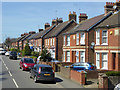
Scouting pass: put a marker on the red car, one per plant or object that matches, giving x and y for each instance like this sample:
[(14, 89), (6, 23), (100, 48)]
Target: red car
[(26, 63)]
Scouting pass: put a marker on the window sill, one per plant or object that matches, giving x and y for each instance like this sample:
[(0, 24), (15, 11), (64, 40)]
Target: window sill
[(82, 44), (104, 44)]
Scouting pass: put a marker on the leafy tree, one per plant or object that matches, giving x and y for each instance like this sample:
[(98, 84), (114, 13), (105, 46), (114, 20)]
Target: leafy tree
[(27, 50), (33, 53), (8, 42), (45, 55)]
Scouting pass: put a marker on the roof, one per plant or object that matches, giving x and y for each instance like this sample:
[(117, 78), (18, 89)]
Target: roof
[(85, 25), (13, 40), (111, 21), (32, 36), (44, 32), (60, 27), (25, 37), (20, 38)]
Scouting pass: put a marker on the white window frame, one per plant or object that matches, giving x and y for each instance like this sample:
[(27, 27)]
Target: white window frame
[(82, 40), (105, 37), (82, 56), (68, 41), (98, 60), (68, 56), (51, 41), (64, 40), (77, 56), (46, 41), (98, 37), (104, 60), (64, 56), (77, 39)]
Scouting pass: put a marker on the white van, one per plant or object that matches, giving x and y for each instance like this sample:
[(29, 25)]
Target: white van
[(2, 51)]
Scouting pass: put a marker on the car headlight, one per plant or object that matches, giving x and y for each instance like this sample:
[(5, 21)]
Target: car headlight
[(25, 65)]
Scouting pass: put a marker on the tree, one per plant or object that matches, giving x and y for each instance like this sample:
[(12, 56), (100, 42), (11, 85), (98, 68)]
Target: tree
[(27, 50), (8, 42), (45, 55)]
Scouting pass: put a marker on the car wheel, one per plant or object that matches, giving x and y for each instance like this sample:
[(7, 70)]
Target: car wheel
[(20, 67), (35, 79), (30, 76)]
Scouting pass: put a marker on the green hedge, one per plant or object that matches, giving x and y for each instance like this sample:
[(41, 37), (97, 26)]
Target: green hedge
[(113, 73)]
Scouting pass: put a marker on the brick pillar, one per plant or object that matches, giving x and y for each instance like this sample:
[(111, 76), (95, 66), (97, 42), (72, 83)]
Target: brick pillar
[(103, 81), (82, 77), (117, 62)]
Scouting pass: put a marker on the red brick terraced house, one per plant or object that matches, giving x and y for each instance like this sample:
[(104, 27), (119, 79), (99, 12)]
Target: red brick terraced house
[(77, 41), (38, 39), (14, 43), (53, 41), (107, 42)]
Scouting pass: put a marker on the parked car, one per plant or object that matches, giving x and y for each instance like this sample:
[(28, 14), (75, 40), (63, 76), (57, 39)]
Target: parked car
[(13, 55), (82, 66), (26, 63), (117, 87), (42, 72), (7, 53), (2, 51)]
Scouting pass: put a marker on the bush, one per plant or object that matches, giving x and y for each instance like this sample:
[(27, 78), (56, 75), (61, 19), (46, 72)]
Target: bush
[(113, 73), (27, 50), (45, 55), (36, 54), (13, 49)]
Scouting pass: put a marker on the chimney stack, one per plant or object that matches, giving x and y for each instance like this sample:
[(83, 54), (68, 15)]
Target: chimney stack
[(40, 30), (53, 21), (109, 7), (117, 5), (82, 17), (26, 33), (22, 35), (57, 21), (72, 16), (32, 32), (47, 25)]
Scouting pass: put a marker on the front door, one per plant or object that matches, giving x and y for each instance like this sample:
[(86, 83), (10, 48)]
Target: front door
[(113, 59)]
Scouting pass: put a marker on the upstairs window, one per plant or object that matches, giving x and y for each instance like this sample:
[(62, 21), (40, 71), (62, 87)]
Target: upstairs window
[(98, 37), (64, 41), (68, 40), (104, 37), (82, 40), (51, 41), (77, 39)]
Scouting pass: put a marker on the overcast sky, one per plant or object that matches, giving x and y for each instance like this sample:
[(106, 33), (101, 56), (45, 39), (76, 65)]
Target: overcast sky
[(20, 17)]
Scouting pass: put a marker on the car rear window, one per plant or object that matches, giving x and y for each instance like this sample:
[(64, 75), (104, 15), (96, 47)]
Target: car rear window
[(28, 60), (46, 69)]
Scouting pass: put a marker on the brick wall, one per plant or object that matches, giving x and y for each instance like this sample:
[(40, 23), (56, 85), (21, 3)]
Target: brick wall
[(78, 76)]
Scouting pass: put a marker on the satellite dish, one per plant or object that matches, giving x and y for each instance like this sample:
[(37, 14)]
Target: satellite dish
[(92, 44)]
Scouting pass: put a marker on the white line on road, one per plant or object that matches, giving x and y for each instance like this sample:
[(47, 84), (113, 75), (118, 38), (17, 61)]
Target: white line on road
[(10, 73), (15, 83)]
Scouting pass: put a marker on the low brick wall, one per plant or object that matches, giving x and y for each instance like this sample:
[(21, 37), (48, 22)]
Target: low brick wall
[(78, 76), (92, 74), (65, 71)]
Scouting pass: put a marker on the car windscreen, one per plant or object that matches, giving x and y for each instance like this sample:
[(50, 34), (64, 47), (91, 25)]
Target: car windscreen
[(46, 69), (13, 53), (28, 60)]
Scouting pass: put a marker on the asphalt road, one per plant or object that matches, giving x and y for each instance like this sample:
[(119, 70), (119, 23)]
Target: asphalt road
[(13, 77)]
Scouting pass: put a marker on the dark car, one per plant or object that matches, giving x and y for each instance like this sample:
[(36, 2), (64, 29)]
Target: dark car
[(82, 66), (26, 63), (42, 72), (13, 55)]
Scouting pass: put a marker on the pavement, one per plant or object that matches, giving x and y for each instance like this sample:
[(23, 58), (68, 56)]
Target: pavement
[(13, 77)]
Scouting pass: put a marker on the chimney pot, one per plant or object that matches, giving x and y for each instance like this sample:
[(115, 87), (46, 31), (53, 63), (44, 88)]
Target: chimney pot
[(47, 25), (72, 16)]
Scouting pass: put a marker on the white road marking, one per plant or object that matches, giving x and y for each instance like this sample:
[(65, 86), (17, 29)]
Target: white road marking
[(10, 74), (15, 83)]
